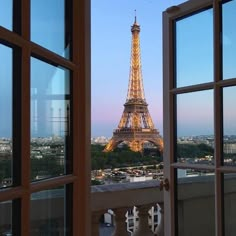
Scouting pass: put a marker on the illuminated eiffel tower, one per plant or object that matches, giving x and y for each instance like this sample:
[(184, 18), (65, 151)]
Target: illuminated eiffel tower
[(136, 126)]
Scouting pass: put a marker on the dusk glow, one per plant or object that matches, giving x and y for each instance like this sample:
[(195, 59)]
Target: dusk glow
[(111, 49)]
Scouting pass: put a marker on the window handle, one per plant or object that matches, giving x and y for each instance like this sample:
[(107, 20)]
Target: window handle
[(164, 184)]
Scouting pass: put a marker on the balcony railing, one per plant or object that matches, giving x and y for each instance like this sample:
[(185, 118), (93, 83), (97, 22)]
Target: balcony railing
[(134, 208), (133, 211)]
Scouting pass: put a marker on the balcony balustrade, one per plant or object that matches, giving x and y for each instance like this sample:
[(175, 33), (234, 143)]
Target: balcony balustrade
[(134, 208), (137, 208)]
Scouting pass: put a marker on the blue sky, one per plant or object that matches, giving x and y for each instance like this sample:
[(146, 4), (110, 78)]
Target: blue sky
[(191, 34), (111, 45), (111, 49)]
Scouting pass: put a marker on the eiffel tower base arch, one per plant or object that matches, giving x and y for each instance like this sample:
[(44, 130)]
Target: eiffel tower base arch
[(135, 139)]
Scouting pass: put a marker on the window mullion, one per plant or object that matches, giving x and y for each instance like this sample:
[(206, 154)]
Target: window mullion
[(218, 118), (25, 139), (25, 117), (81, 106)]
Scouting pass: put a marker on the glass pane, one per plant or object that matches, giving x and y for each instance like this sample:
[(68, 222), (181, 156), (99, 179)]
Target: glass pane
[(195, 127), (6, 116), (47, 213), (229, 39), (6, 221), (48, 25), (229, 122), (50, 112), (6, 14), (194, 49), (196, 202), (229, 204)]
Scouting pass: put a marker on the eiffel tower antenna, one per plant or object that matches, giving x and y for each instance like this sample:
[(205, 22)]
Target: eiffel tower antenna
[(136, 126)]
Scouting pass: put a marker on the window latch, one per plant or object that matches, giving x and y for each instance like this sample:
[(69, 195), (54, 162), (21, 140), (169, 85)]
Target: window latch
[(165, 184)]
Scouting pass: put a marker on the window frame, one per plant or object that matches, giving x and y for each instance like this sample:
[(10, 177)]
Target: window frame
[(78, 190), (169, 93)]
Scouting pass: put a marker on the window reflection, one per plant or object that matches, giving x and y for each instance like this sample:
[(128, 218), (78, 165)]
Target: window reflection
[(194, 49), (47, 214), (196, 202), (6, 116), (6, 14), (195, 127), (50, 124), (229, 39), (6, 221), (49, 25), (229, 125), (229, 203)]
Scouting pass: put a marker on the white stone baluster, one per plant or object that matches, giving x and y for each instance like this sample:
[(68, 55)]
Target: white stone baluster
[(120, 222), (96, 216), (143, 227), (160, 228)]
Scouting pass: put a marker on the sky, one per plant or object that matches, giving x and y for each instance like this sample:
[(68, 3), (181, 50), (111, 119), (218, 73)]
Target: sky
[(111, 50)]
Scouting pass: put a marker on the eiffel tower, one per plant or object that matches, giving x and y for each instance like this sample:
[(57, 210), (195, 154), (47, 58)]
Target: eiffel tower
[(136, 126)]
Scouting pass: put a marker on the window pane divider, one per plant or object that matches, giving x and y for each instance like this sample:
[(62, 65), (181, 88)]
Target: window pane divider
[(11, 193), (51, 183), (227, 82), (81, 51), (205, 86), (12, 39), (218, 120), (193, 88), (24, 31), (186, 10), (46, 55)]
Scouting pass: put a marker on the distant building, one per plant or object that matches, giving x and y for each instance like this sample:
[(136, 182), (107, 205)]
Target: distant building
[(230, 148), (102, 140)]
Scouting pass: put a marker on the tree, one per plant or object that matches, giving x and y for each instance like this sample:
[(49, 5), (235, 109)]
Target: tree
[(120, 157), (193, 150)]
